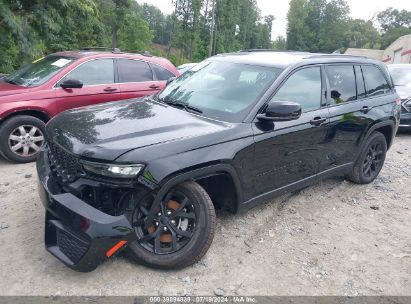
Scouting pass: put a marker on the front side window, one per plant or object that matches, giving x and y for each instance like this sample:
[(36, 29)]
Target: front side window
[(94, 72), (341, 79), (375, 81), (134, 71), (162, 73), (40, 71), (303, 87), (221, 90)]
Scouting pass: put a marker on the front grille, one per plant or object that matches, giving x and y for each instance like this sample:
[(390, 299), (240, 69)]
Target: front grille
[(73, 247), (64, 164)]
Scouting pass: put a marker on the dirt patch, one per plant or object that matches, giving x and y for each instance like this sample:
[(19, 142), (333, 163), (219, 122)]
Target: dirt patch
[(334, 238)]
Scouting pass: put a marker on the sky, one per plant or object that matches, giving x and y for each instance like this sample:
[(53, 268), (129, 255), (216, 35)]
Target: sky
[(361, 9)]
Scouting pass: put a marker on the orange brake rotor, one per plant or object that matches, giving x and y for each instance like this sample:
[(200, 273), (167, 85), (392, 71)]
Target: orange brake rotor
[(166, 237)]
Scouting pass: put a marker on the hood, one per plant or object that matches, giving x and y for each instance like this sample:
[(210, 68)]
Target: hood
[(11, 89), (109, 130), (403, 91)]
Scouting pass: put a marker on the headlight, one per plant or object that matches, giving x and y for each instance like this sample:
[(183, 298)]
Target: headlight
[(113, 170)]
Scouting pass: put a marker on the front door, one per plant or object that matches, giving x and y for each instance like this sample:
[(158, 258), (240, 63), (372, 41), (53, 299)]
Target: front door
[(98, 81), (287, 152)]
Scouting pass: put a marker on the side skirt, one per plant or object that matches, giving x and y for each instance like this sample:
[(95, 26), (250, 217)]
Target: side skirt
[(264, 198)]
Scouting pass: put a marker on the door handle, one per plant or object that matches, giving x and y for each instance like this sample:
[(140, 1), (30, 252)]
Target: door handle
[(154, 87), (110, 89), (317, 121), (365, 109)]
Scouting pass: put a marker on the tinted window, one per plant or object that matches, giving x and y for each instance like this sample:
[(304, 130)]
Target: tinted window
[(304, 87), (134, 71), (375, 81), (162, 73), (94, 72), (342, 83), (360, 82)]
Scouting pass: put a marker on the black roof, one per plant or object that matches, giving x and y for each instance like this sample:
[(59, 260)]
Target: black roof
[(284, 59)]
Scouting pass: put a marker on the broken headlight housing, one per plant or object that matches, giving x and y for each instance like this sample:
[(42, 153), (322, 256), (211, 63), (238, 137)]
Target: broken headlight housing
[(113, 170)]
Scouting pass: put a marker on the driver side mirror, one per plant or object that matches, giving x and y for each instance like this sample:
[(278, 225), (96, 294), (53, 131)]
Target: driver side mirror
[(71, 84), (170, 80), (281, 111)]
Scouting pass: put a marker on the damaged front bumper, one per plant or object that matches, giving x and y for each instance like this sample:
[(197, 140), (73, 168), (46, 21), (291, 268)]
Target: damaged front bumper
[(79, 235)]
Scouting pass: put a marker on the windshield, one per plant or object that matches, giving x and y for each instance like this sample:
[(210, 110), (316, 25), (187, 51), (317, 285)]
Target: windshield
[(39, 71), (221, 90), (401, 76)]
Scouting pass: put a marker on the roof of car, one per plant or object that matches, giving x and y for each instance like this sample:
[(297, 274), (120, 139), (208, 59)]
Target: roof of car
[(96, 53), (284, 59)]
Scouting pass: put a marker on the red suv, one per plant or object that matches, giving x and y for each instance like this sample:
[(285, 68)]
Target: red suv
[(61, 81)]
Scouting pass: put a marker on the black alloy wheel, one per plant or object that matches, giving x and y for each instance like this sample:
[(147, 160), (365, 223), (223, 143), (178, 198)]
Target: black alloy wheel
[(175, 233), (370, 161), (172, 224), (373, 161)]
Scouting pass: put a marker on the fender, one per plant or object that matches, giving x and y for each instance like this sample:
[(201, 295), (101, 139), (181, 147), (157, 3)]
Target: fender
[(210, 170), (378, 125)]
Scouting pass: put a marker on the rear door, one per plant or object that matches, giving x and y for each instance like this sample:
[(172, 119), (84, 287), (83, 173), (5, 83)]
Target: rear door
[(351, 110), (99, 85), (136, 78)]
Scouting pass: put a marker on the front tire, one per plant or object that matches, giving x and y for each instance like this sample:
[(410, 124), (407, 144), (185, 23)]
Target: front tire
[(21, 138), (181, 232), (370, 161)]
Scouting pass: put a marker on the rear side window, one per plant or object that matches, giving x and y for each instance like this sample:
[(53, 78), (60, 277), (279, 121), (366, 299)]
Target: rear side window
[(93, 72), (162, 73), (375, 81), (360, 82), (304, 87), (342, 83), (134, 71)]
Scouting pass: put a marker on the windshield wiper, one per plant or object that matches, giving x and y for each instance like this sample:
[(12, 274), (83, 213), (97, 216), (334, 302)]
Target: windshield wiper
[(182, 105), (10, 81)]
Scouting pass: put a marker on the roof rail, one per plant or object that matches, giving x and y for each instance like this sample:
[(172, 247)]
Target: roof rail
[(267, 50), (98, 48), (335, 56), (144, 53)]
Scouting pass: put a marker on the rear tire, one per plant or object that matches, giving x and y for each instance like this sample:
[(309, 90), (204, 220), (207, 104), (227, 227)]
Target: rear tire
[(370, 161), (198, 203), (21, 138)]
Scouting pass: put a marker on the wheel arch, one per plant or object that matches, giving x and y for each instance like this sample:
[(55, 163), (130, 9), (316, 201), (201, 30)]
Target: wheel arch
[(43, 116), (209, 176), (387, 128)]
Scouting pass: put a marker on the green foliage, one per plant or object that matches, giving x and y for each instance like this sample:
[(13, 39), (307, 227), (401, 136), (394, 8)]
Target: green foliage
[(29, 29), (317, 25), (362, 34), (394, 24), (325, 26)]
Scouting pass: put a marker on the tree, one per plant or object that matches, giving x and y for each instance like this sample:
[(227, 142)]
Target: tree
[(394, 24), (362, 34), (317, 25)]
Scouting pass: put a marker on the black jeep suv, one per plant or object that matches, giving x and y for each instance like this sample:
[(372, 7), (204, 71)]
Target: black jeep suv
[(146, 175)]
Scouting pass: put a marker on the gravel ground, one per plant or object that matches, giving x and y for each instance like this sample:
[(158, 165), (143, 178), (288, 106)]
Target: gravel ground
[(334, 238)]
